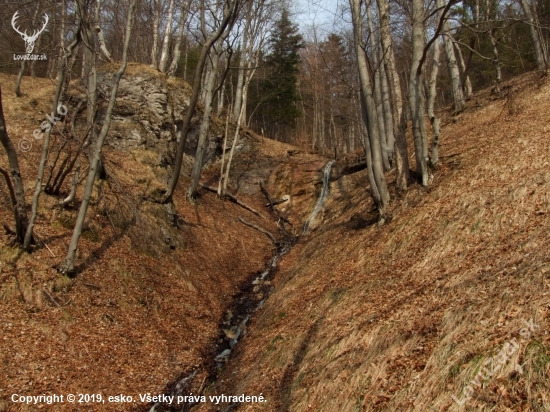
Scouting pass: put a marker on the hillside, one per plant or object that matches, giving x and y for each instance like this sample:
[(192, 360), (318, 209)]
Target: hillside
[(402, 317), (145, 305), (392, 317)]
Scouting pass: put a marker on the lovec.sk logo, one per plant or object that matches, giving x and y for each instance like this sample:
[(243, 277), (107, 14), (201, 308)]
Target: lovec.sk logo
[(29, 40)]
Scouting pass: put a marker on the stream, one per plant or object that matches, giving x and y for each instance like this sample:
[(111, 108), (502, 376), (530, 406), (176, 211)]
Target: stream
[(233, 326)]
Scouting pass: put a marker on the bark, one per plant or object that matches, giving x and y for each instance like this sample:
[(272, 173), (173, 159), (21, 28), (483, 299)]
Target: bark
[(20, 206), (177, 48), (458, 94), (74, 183), (401, 151), (38, 41), (223, 152), (416, 97), (166, 40), (99, 32), (494, 43), (369, 110), (539, 55), (67, 267), (388, 115), (467, 84), (19, 78), (233, 146), (368, 155), (242, 62), (204, 128), (46, 139), (229, 11), (431, 104), (378, 95), (156, 19)]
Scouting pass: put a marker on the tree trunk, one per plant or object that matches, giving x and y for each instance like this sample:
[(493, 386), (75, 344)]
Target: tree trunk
[(369, 110), (467, 84), (401, 152), (20, 206), (67, 267), (229, 10), (177, 47), (416, 97), (378, 95), (156, 19), (431, 104), (166, 40), (220, 181), (205, 126), (386, 102), (55, 109), (458, 94), (237, 128), (539, 55), (99, 32), (19, 78)]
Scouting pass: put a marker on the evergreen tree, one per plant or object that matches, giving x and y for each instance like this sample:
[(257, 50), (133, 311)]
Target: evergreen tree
[(279, 89)]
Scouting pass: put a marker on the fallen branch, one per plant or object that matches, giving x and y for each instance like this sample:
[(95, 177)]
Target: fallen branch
[(259, 229), (51, 299), (232, 198), (276, 202), (266, 194)]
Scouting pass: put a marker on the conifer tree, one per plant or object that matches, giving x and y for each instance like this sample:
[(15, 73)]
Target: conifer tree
[(280, 87)]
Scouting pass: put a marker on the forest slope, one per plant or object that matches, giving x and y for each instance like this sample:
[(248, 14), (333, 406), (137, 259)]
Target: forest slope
[(138, 315), (403, 316)]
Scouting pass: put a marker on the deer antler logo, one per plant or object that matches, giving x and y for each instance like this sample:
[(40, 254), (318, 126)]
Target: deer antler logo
[(30, 40)]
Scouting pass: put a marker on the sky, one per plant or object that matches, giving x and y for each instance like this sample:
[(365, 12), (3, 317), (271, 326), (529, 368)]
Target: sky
[(321, 13)]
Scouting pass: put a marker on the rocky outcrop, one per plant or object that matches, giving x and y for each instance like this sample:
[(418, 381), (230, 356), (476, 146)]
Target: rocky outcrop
[(149, 113)]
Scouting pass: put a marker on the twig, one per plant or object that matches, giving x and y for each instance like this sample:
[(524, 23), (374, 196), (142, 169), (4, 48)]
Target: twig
[(259, 229), (50, 297), (232, 198)]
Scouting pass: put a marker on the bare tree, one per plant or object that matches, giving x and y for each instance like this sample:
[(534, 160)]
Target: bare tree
[(156, 22), (166, 39), (458, 94), (13, 180), (55, 112), (434, 158), (184, 13), (416, 96), (378, 93), (229, 14), (67, 267), (380, 190), (401, 153), (540, 53), (99, 32)]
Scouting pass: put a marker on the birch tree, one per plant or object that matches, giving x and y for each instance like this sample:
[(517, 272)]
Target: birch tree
[(166, 39)]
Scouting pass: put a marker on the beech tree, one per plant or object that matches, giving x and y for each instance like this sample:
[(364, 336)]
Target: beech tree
[(373, 149), (229, 14), (67, 267), (13, 180)]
